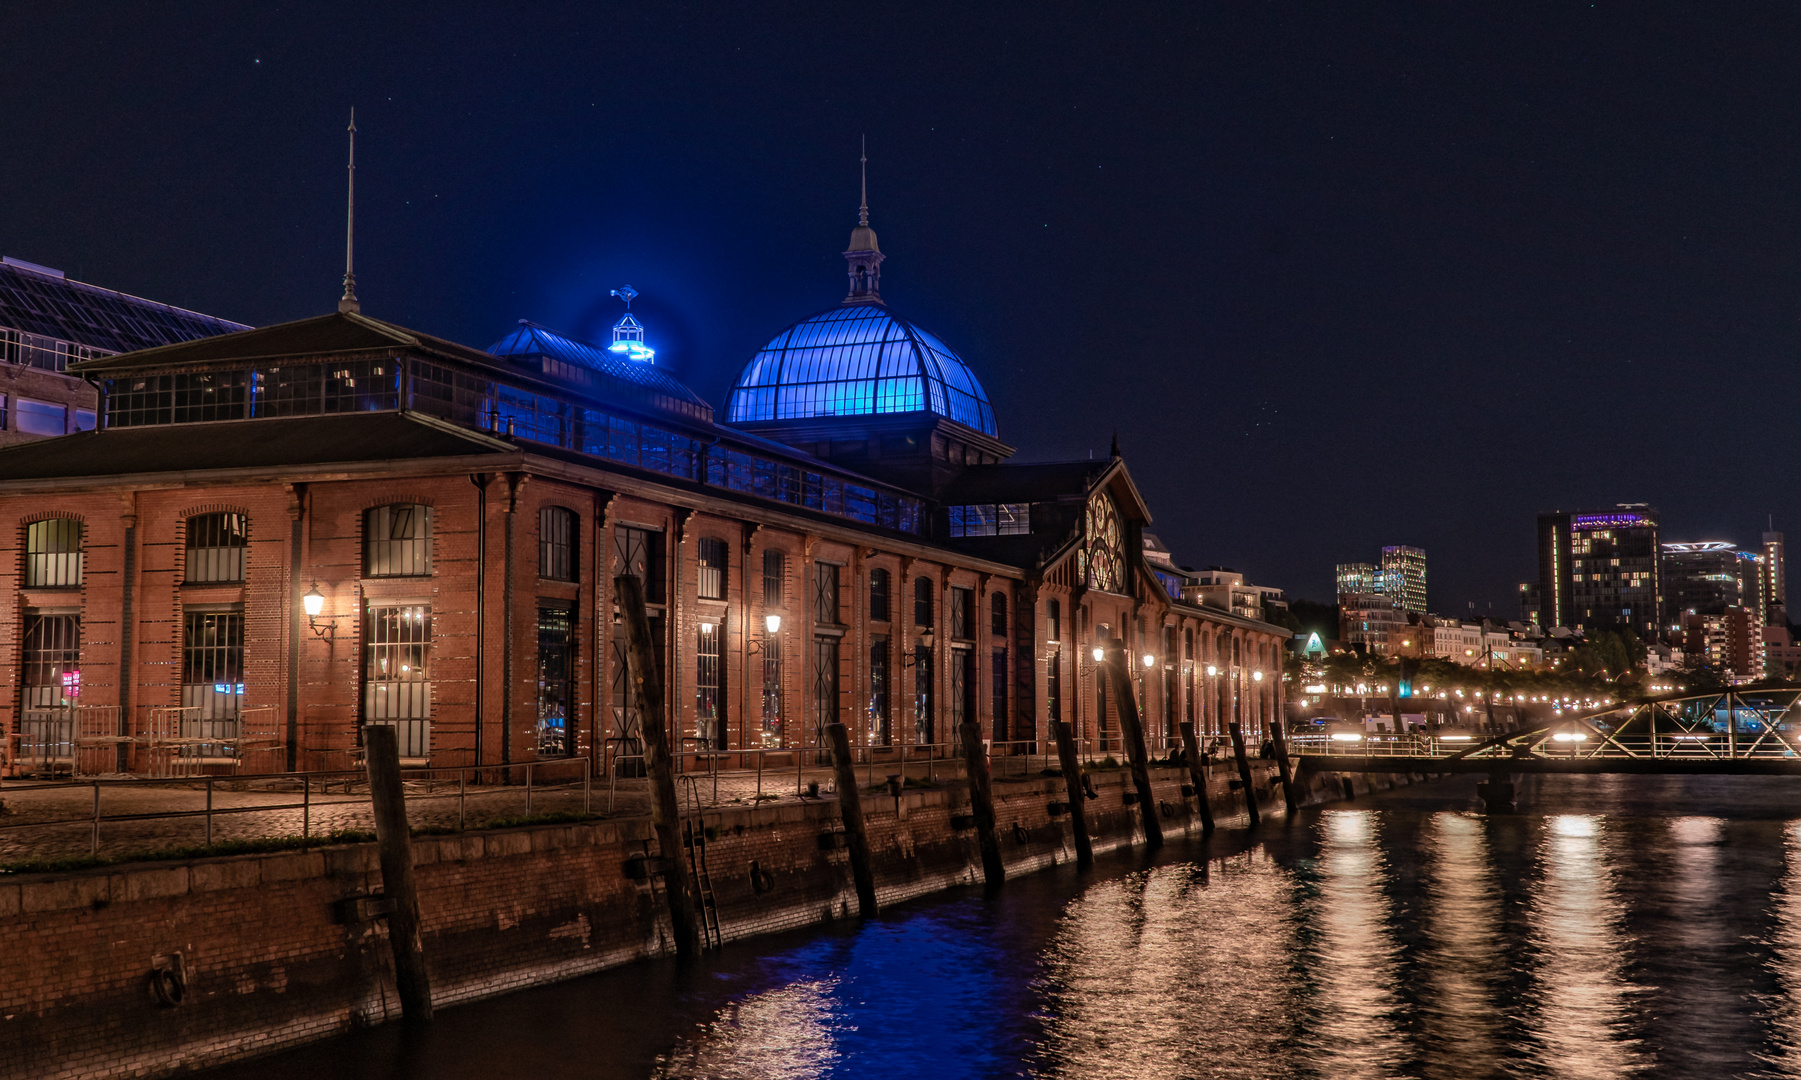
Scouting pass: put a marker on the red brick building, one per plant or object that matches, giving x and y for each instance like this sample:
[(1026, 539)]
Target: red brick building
[(851, 545)]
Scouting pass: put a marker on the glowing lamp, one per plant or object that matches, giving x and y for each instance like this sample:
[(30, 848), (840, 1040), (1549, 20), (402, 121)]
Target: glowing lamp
[(1100, 654), (314, 601), (1346, 736), (772, 623), (1257, 676), (1149, 660), (1212, 671)]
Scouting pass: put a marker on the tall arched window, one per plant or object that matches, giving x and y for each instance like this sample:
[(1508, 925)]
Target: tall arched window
[(53, 554), (556, 543), (775, 573), (998, 617), (878, 594), (216, 546), (922, 603), (397, 541)]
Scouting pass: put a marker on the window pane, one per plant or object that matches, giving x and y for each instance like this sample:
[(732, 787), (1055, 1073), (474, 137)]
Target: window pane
[(712, 575), (397, 541), (556, 543), (40, 417), (397, 673), (216, 547), (53, 554), (556, 639)]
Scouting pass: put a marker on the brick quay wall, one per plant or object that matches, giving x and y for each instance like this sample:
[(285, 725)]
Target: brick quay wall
[(271, 952)]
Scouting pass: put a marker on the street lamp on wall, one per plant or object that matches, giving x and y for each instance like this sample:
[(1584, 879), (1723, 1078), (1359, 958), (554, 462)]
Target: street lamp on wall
[(314, 602), (772, 625), (924, 646)]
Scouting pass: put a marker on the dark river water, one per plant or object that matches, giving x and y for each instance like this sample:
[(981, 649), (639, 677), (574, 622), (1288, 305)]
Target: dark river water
[(1615, 927)]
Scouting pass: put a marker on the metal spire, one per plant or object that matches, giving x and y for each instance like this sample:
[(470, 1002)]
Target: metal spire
[(863, 160), (348, 302)]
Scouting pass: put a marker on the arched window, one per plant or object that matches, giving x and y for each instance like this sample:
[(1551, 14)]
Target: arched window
[(714, 556), (1053, 621), (1188, 644), (775, 572), (397, 541), (216, 545), (922, 603), (53, 554), (998, 604), (878, 594), (556, 543)]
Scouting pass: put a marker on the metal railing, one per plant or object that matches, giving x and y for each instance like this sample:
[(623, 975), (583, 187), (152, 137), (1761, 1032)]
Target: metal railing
[(431, 779)]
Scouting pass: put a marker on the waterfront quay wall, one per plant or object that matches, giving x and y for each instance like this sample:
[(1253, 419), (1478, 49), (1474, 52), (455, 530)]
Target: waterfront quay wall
[(153, 969)]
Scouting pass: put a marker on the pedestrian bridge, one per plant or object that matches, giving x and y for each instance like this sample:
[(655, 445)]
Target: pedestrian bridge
[(1730, 731)]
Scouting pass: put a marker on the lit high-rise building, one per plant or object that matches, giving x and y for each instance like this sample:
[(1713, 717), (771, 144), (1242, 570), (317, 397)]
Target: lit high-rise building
[(1400, 577), (1356, 578), (1404, 576), (1775, 581), (1600, 571)]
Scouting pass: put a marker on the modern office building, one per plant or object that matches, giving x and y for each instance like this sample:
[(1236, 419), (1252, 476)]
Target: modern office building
[(279, 535), (1400, 576), (48, 322), (1601, 571), (1701, 578), (1357, 579)]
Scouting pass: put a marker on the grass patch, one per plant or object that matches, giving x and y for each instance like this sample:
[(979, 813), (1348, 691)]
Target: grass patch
[(554, 817)]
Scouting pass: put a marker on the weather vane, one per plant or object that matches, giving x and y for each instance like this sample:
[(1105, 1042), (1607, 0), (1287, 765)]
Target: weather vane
[(628, 333)]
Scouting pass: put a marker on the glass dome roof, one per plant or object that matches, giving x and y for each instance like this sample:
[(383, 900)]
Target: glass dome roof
[(858, 360)]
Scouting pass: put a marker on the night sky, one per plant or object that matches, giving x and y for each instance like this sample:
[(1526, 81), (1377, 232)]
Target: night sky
[(1339, 278)]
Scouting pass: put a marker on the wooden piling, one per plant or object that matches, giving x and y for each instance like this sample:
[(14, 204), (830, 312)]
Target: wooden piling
[(850, 808), (1072, 783), (1244, 774), (981, 803), (1280, 738), (1197, 774), (665, 816), (381, 758), (1119, 667)]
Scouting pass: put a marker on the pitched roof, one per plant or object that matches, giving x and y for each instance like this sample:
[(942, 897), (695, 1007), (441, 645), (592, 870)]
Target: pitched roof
[(39, 300), (612, 374), (239, 444), (1033, 482), (337, 334)]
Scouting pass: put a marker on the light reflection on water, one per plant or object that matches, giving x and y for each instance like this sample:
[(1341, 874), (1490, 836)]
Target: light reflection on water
[(1579, 1005), (1417, 939)]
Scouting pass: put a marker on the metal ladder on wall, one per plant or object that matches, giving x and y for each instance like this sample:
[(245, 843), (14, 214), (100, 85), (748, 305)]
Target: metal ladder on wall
[(694, 838)]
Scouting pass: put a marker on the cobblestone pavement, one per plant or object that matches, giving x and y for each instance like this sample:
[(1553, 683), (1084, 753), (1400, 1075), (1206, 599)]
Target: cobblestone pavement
[(55, 820)]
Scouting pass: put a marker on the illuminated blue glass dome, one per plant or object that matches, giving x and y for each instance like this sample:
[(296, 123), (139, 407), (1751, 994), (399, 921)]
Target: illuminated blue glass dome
[(858, 359)]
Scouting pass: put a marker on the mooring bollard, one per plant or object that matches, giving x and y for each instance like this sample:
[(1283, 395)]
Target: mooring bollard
[(1281, 740), (1072, 783), (1497, 793), (1244, 773), (388, 800), (1134, 737), (665, 817), (981, 804), (850, 808), (1197, 775)]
